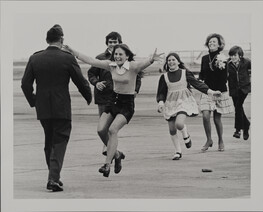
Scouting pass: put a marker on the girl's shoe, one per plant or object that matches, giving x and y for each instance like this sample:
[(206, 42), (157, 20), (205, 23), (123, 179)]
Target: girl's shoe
[(221, 147), (105, 169), (207, 145), (118, 166), (177, 156), (189, 143)]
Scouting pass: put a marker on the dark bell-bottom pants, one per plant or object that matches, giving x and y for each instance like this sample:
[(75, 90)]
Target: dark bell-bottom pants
[(57, 133), (241, 121)]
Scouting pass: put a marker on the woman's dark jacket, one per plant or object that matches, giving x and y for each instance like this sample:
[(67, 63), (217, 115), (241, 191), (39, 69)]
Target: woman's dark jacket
[(216, 79)]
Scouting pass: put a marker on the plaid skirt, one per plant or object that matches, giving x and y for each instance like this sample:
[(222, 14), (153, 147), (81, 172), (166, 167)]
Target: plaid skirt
[(223, 105)]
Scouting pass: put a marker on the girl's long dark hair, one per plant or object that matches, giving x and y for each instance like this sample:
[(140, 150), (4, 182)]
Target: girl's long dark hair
[(126, 49), (181, 64)]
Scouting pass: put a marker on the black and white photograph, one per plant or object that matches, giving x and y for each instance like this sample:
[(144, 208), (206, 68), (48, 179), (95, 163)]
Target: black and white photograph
[(131, 106)]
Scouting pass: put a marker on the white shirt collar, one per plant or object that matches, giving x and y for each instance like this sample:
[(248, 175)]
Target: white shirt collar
[(125, 65), (54, 45), (109, 51)]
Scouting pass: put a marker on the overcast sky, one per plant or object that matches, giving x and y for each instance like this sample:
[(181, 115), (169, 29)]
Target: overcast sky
[(170, 26)]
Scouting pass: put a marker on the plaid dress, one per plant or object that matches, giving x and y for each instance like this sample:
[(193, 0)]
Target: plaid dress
[(179, 98)]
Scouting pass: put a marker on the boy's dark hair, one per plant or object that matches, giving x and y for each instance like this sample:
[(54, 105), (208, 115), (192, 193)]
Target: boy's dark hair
[(126, 49), (114, 36), (220, 39), (236, 49)]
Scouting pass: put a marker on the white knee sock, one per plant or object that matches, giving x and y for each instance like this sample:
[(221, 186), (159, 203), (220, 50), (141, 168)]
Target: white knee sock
[(185, 134), (176, 143)]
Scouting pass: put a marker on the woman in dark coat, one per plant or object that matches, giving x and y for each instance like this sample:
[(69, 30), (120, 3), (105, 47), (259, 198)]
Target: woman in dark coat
[(214, 73)]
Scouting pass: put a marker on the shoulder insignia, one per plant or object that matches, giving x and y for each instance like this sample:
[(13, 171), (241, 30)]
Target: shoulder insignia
[(38, 52)]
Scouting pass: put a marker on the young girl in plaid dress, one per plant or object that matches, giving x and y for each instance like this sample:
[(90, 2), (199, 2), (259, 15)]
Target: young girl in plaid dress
[(176, 100)]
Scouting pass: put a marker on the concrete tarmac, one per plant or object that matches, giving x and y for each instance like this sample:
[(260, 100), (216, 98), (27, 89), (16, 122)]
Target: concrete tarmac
[(148, 169)]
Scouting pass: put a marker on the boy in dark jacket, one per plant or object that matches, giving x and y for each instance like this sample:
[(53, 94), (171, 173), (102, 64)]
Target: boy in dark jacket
[(239, 70)]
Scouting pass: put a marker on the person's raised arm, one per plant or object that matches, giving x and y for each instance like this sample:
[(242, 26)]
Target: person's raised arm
[(104, 64), (139, 66)]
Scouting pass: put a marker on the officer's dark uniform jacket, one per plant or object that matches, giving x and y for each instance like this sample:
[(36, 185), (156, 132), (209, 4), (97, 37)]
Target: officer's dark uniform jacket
[(52, 70)]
